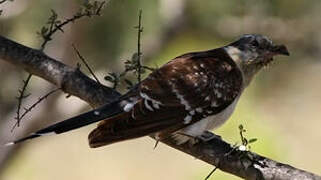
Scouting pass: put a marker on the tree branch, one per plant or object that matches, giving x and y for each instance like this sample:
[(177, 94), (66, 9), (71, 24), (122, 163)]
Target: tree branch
[(70, 80), (215, 152)]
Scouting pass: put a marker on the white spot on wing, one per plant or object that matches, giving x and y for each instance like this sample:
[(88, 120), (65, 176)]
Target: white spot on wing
[(192, 112), (195, 67), (147, 105), (187, 119), (214, 104), (128, 107), (155, 105), (97, 113), (145, 96), (200, 110), (219, 94), (182, 100)]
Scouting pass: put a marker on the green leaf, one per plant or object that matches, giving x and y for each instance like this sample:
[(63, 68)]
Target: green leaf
[(252, 140), (135, 57), (44, 30)]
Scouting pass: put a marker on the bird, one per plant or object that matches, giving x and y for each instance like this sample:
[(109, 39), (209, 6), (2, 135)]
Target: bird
[(186, 97)]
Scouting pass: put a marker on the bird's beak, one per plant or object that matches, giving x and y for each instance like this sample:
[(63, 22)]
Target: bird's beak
[(280, 50)]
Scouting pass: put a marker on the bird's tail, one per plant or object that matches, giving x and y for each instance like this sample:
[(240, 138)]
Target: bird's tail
[(81, 120)]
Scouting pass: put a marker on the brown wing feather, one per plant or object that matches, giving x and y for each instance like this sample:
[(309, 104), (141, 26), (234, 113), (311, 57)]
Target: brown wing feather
[(192, 77), (136, 123)]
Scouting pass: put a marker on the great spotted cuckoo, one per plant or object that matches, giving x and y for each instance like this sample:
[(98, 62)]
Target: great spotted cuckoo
[(187, 96)]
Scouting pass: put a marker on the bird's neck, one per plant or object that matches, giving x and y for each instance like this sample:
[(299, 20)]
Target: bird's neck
[(240, 58)]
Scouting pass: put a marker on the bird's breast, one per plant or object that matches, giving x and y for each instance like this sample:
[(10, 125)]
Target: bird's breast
[(210, 122), (215, 121)]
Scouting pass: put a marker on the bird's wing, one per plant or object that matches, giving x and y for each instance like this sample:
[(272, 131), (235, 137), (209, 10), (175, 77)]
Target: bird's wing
[(181, 92)]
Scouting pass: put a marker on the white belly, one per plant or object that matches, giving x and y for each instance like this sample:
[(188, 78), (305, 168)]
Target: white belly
[(208, 123)]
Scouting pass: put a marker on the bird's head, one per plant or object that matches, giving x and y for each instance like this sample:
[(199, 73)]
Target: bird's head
[(251, 52)]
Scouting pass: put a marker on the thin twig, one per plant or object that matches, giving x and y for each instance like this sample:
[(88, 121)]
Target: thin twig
[(34, 105), (86, 64), (210, 174), (139, 54), (148, 68), (21, 97)]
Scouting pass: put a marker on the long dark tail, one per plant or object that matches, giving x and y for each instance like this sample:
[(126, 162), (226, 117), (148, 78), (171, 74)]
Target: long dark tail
[(81, 120)]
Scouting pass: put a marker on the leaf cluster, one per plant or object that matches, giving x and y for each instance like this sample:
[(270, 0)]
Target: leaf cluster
[(131, 66), (245, 141), (54, 24)]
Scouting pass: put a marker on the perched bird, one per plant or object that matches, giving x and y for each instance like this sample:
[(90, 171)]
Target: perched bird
[(187, 96)]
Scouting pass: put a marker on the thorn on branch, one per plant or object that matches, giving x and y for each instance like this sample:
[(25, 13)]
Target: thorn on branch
[(86, 64)]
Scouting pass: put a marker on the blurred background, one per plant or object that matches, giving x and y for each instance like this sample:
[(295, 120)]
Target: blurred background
[(281, 107)]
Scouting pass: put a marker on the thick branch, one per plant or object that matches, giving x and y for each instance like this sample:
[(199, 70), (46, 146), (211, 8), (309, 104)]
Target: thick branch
[(215, 152), (247, 165)]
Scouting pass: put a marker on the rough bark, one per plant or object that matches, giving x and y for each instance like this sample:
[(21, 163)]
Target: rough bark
[(217, 152)]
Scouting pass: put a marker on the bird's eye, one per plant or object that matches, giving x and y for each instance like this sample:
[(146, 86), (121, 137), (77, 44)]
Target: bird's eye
[(255, 43)]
